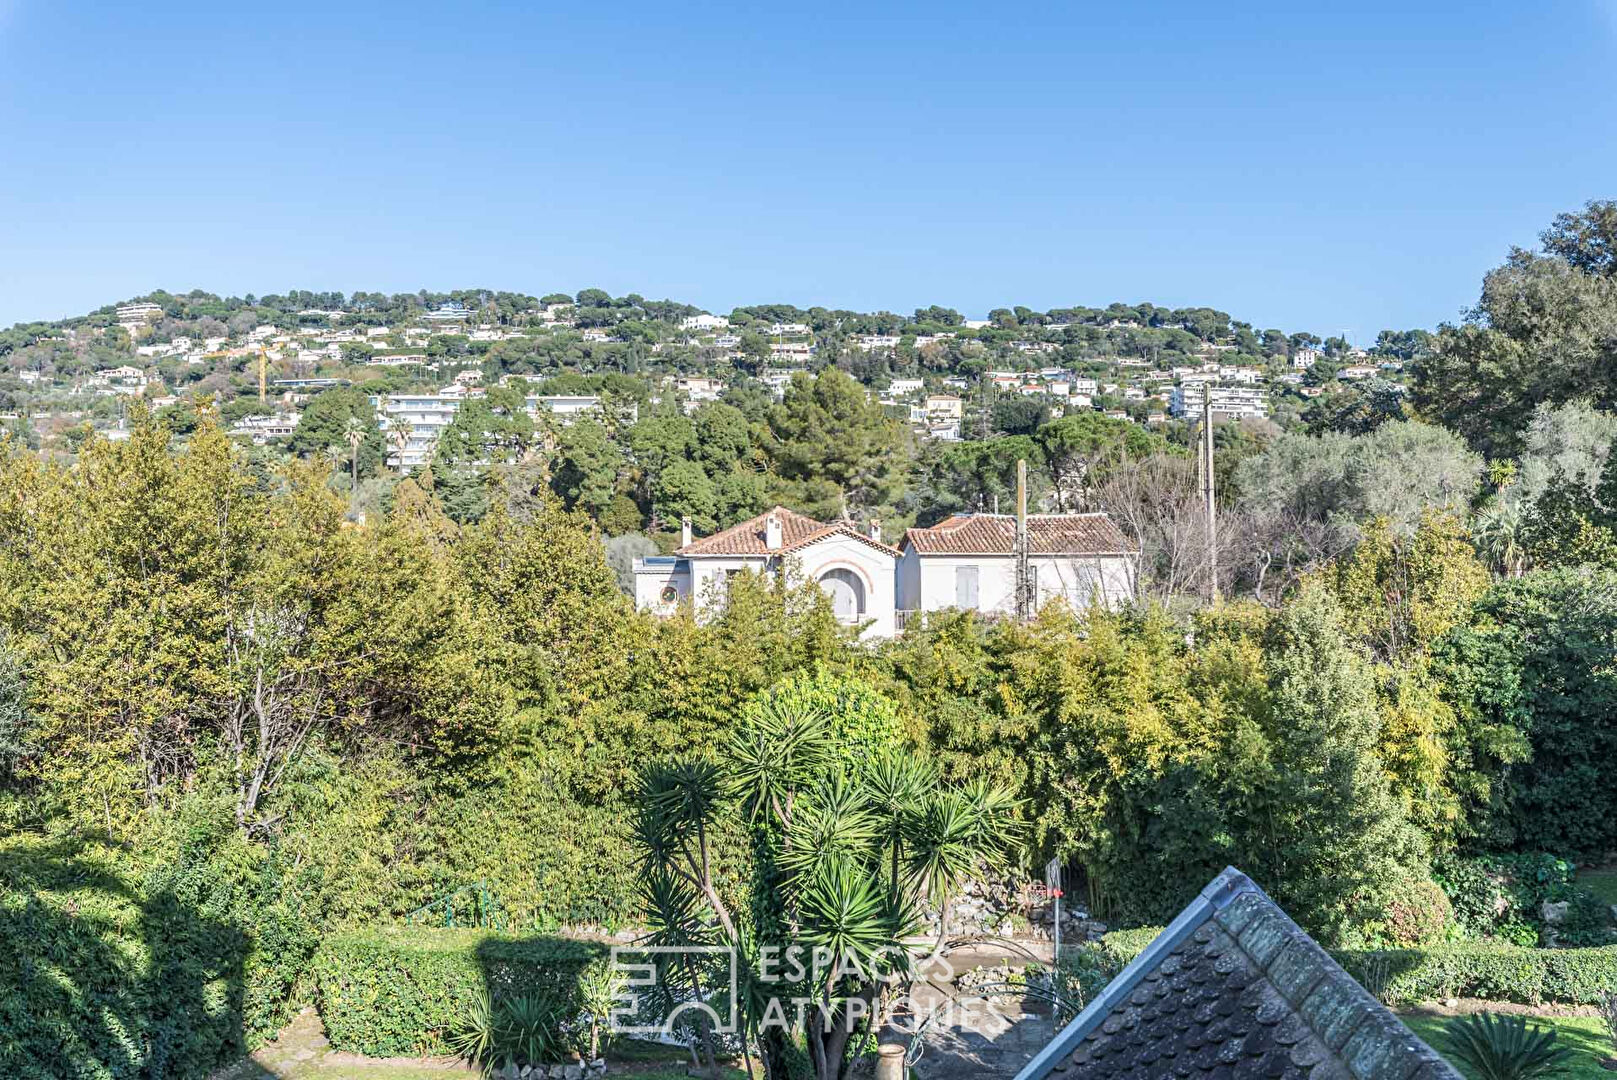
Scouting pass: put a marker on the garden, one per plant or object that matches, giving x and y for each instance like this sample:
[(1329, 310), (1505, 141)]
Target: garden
[(243, 754)]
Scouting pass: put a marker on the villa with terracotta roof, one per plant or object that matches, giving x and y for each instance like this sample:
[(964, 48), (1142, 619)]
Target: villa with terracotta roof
[(854, 567), (968, 561)]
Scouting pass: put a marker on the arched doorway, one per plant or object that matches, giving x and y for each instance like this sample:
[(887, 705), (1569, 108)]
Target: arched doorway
[(847, 593)]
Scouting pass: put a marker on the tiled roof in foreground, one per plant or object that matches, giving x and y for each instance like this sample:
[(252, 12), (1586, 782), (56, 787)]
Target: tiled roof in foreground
[(1234, 990), (1048, 534)]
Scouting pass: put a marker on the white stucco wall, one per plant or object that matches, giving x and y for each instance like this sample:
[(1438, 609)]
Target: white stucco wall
[(650, 579), (928, 582), (874, 569)]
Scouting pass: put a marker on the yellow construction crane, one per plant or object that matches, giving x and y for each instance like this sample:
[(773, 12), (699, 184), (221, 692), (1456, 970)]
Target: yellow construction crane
[(263, 373)]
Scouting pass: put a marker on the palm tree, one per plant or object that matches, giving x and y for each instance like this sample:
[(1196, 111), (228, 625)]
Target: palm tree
[(1500, 532), (354, 431), (401, 439)]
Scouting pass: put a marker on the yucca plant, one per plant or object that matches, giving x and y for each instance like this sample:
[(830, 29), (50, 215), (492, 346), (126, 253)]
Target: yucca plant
[(528, 1028), (601, 985), (520, 1029), (847, 848), (473, 1037), (1506, 1048)]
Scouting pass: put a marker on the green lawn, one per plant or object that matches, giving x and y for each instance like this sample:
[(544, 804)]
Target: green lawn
[(1603, 883), (1586, 1035)]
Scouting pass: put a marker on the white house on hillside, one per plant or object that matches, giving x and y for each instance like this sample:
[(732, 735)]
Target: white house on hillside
[(856, 569), (966, 562), (969, 562)]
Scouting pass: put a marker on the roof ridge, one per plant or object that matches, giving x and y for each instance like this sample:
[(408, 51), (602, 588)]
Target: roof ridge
[(1347, 1023)]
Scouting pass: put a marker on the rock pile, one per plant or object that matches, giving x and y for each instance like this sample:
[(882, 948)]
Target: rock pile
[(576, 1070), (1008, 908)]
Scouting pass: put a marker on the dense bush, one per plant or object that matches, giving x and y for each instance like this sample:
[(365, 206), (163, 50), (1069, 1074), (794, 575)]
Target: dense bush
[(406, 991), (1502, 897), (1537, 661), (103, 977), (1415, 912), (1524, 976)]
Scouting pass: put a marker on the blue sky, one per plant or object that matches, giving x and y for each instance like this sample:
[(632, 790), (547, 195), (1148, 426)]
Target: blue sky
[(1323, 167)]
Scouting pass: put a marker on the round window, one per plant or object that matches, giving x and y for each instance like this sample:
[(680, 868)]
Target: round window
[(670, 594)]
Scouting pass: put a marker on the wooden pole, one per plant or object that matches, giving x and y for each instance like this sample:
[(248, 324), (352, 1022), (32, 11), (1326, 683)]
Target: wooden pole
[(1207, 490), (1024, 591)]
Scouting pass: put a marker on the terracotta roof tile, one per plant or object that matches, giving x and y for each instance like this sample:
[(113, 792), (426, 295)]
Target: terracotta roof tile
[(797, 531), (995, 534)]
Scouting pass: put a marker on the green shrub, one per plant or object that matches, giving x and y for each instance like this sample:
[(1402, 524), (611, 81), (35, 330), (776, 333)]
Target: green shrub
[(1468, 969), (1414, 913), (1505, 1047), (1502, 897), (406, 991), (514, 1030), (103, 978)]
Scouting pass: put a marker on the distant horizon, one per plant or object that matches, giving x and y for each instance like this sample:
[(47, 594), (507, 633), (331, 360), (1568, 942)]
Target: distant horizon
[(1297, 166), (1354, 337)]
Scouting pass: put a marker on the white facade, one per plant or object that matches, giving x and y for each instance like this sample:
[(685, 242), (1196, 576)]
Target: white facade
[(1228, 401), (424, 417), (855, 570), (704, 322), (968, 562), (987, 583)]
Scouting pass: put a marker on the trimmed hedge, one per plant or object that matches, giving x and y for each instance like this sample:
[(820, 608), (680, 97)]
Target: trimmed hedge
[(1472, 969), (398, 992)]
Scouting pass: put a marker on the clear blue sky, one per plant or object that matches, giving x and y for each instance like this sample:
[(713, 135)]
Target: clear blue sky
[(1352, 168)]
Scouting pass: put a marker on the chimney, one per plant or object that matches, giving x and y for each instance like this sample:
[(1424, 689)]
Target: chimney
[(772, 538), (684, 532), (875, 529)]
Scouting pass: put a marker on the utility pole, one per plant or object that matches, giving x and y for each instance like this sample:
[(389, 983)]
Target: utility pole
[(1207, 493), (1024, 580)]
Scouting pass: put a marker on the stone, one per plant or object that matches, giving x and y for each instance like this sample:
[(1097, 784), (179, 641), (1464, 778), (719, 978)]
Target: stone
[(556, 1071), (573, 1072), (1554, 913), (598, 1066)]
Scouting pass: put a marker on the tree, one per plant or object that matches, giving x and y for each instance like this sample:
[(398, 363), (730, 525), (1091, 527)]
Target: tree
[(1396, 471), (1568, 442), (683, 490), (324, 425), (495, 428), (851, 834), (722, 438), (586, 467), (1400, 594), (622, 551), (1586, 239), (1332, 832), (1544, 330), (1081, 447), (1018, 414), (975, 477), (828, 429), (1532, 674), (1570, 524)]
